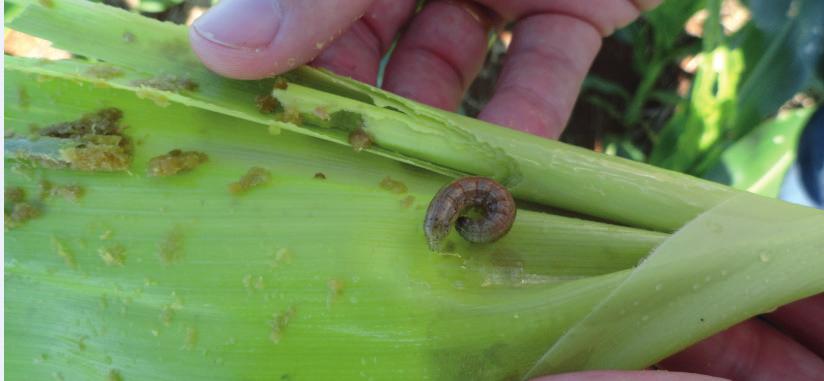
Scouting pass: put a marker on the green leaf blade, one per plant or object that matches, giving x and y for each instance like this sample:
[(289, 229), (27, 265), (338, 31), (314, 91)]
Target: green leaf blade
[(738, 260)]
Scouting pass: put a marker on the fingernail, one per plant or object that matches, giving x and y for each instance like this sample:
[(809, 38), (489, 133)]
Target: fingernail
[(238, 24)]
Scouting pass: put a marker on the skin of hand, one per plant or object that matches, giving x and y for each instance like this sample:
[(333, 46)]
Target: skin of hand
[(440, 52)]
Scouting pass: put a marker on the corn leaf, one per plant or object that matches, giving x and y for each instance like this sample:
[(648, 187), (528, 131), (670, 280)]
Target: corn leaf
[(321, 270), (197, 282), (535, 169), (759, 161), (742, 80), (704, 278)]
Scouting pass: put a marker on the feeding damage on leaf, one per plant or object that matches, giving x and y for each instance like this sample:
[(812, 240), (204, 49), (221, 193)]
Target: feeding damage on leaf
[(170, 249), (407, 202), (174, 162), (16, 210), (393, 186), (102, 146), (95, 142), (64, 253), (103, 122), (291, 115), (128, 37), (173, 83), (256, 176), (359, 140), (335, 287), (114, 255), (69, 192), (267, 104), (280, 83), (279, 322), (14, 194), (104, 71)]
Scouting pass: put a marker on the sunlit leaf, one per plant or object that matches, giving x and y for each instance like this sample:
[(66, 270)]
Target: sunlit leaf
[(317, 271), (758, 162)]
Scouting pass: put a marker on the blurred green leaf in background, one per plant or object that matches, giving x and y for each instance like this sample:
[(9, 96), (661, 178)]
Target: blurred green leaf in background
[(758, 161), (713, 81)]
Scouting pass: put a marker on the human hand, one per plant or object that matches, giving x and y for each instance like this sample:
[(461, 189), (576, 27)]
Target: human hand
[(787, 344), (437, 57)]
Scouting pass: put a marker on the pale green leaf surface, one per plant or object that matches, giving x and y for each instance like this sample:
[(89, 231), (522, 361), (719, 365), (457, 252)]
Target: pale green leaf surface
[(536, 169), (60, 100), (745, 257), (399, 311), (402, 313), (152, 49)]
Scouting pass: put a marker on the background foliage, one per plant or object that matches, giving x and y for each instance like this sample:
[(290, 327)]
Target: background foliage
[(722, 89)]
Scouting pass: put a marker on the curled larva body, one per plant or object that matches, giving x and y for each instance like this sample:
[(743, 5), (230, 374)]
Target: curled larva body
[(492, 202)]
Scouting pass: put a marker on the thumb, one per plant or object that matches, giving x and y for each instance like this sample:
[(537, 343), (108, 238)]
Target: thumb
[(250, 39)]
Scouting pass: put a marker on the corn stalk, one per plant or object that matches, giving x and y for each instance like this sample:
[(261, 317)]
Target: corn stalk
[(317, 267)]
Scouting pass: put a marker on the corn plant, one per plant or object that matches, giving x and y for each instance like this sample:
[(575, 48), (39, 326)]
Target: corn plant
[(165, 223), (745, 75)]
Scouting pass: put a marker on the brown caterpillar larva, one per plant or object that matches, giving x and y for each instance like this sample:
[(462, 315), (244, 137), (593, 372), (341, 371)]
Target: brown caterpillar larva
[(491, 200)]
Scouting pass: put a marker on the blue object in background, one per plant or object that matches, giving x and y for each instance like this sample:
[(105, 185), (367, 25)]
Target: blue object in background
[(804, 182)]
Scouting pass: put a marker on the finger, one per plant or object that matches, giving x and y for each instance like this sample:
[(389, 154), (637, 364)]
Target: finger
[(250, 39), (547, 61), (628, 376), (803, 321), (439, 55), (646, 5), (357, 53), (749, 351), (604, 15)]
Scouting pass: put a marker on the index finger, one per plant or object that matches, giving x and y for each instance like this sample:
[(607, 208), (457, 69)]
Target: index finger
[(251, 39), (546, 63)]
